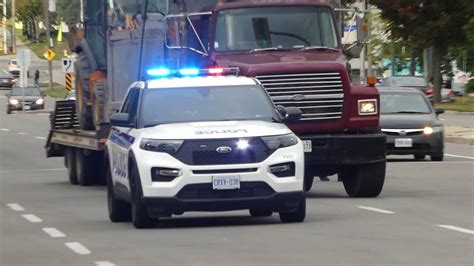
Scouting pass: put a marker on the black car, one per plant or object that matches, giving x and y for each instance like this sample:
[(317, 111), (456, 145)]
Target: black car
[(409, 82), (6, 79), (33, 99), (411, 124)]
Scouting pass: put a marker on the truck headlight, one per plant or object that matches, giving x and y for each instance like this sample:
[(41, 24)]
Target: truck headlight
[(431, 130), (13, 101), (157, 145), (276, 142), (40, 101), (367, 107)]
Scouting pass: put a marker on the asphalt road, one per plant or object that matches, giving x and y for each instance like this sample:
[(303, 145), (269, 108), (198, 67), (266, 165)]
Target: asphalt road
[(424, 216)]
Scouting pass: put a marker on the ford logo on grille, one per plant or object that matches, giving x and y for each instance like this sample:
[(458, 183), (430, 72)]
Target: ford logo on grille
[(224, 149)]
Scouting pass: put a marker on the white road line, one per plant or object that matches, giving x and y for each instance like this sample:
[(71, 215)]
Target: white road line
[(35, 170), (459, 156), (456, 228), (78, 248), (53, 232), (22, 133), (16, 207), (104, 263), (5, 129), (375, 209), (32, 218), (37, 137)]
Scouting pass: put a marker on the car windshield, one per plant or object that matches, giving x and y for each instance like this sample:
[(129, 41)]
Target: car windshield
[(408, 82), (176, 105), (29, 91), (14, 62), (391, 103), (4, 74), (284, 27)]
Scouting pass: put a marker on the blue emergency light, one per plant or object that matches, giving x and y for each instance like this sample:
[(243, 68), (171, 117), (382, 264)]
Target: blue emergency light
[(163, 72)]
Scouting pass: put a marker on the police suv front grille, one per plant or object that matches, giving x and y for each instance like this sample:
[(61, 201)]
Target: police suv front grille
[(204, 152), (320, 96), (205, 191)]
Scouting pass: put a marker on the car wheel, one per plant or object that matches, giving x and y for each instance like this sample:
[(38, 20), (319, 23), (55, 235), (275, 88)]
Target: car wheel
[(308, 182), (438, 157), (364, 180), (140, 217), (9, 110), (419, 157), (119, 211), (297, 216), (260, 213)]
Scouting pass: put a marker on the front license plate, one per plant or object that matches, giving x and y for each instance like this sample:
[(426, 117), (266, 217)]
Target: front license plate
[(403, 143), (225, 182), (27, 107), (307, 146)]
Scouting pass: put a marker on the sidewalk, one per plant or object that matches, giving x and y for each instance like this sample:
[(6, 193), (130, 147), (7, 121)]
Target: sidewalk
[(460, 135)]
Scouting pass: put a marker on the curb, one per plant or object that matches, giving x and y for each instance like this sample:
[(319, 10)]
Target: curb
[(459, 140), (449, 112)]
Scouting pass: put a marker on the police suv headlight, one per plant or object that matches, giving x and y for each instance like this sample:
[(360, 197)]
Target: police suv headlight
[(431, 130), (367, 107), (158, 145), (281, 141), (13, 101)]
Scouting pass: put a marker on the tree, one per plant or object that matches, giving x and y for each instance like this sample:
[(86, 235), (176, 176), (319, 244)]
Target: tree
[(30, 13), (69, 11), (428, 23)]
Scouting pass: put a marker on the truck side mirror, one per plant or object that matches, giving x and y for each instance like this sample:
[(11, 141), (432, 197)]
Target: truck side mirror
[(120, 120)]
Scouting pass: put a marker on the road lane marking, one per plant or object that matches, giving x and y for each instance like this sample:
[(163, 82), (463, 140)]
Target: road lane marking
[(78, 248), (456, 228), (16, 207), (38, 137), (53, 232), (22, 133), (104, 263), (5, 129), (375, 209), (35, 170), (459, 156), (32, 218)]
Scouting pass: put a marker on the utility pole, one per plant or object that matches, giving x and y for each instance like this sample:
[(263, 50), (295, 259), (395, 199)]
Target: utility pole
[(82, 12), (13, 33), (48, 40), (369, 25), (4, 23)]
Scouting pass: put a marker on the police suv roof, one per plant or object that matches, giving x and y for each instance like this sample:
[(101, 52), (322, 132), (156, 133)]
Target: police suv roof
[(207, 81)]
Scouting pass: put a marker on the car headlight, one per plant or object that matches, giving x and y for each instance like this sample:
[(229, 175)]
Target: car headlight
[(40, 101), (157, 145), (13, 101), (431, 130), (367, 107), (276, 142)]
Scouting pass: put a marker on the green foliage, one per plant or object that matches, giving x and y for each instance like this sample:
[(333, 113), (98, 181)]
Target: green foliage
[(470, 86), (69, 11)]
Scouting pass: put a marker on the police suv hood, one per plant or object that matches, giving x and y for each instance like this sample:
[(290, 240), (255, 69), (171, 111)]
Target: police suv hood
[(215, 130)]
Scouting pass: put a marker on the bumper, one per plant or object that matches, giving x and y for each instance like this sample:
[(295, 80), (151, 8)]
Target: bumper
[(20, 107), (422, 145), (277, 202), (348, 149)]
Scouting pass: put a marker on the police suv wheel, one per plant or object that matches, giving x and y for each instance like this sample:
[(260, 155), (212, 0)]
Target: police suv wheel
[(364, 180), (140, 217), (119, 211), (260, 213), (297, 216)]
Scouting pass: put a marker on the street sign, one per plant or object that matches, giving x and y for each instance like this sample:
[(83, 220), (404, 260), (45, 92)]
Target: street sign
[(49, 54), (69, 82), (24, 57), (68, 64)]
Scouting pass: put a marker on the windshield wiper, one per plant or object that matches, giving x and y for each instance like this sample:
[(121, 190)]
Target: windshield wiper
[(316, 47), (268, 49)]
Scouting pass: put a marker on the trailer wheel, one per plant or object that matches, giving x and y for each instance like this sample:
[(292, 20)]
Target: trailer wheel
[(83, 72), (84, 168), (70, 160), (364, 180)]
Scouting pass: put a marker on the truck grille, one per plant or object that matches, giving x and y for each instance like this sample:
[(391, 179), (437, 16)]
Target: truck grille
[(320, 96)]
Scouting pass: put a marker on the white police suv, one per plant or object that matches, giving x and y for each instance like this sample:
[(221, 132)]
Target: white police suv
[(213, 143)]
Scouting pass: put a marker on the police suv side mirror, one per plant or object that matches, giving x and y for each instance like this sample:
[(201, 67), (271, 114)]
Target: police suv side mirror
[(289, 114), (120, 120)]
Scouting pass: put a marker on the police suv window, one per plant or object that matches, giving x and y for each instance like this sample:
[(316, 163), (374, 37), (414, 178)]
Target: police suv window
[(131, 104)]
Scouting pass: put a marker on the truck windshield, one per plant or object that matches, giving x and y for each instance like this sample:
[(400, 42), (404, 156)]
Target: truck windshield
[(282, 27), (177, 105)]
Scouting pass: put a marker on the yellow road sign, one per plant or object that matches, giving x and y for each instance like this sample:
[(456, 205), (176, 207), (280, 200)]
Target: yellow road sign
[(69, 82), (49, 54)]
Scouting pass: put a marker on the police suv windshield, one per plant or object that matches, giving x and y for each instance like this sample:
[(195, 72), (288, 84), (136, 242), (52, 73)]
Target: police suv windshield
[(177, 105), (284, 27)]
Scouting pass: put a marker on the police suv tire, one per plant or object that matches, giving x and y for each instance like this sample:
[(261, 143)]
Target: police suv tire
[(308, 182), (140, 217), (297, 216), (437, 158), (70, 161), (119, 211), (419, 157), (364, 180), (84, 168), (260, 213)]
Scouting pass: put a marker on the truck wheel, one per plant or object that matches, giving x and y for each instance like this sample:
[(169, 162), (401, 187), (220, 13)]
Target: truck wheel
[(140, 217), (84, 168), (296, 216), (83, 72), (260, 213), (119, 211), (364, 180), (437, 158), (70, 161), (308, 182)]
